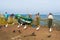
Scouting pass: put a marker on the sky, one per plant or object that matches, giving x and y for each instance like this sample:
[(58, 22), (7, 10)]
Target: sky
[(30, 6)]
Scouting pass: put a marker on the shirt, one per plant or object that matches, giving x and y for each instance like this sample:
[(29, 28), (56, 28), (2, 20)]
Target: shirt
[(50, 17)]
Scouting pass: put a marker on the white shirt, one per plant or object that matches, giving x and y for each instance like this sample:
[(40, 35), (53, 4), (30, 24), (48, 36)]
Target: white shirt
[(50, 17)]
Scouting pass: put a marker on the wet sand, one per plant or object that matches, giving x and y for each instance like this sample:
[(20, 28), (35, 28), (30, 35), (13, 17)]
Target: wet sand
[(42, 34)]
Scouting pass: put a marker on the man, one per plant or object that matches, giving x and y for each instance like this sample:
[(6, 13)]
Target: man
[(28, 21), (10, 20), (6, 16), (50, 20), (37, 21)]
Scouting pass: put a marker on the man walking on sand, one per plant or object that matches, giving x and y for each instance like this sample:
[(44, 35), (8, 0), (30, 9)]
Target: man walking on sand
[(37, 21), (50, 20)]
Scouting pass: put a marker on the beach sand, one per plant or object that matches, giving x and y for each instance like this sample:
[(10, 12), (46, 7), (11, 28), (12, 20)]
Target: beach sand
[(42, 34)]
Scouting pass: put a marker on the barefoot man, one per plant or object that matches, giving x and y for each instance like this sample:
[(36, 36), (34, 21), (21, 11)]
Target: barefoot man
[(37, 21), (50, 20)]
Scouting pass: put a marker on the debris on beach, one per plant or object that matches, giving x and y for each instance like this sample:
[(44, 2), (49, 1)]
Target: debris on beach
[(16, 38), (49, 36), (19, 31), (33, 34), (14, 31)]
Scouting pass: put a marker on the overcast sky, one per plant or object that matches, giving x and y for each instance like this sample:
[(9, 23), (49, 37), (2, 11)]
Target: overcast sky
[(30, 6)]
